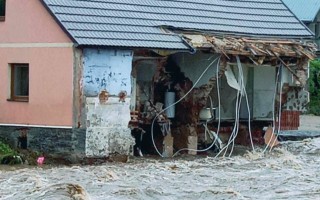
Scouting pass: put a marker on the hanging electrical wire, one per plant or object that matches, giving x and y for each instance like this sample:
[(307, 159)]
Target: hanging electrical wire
[(238, 106), (248, 107), (280, 112), (273, 110), (194, 85), (241, 91), (235, 129)]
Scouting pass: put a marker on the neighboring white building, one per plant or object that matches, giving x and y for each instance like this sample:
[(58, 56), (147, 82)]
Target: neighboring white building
[(308, 11)]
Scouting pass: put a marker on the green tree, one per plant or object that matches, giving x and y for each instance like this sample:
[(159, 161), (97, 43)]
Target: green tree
[(314, 87)]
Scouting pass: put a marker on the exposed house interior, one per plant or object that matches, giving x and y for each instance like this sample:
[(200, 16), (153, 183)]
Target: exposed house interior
[(241, 86)]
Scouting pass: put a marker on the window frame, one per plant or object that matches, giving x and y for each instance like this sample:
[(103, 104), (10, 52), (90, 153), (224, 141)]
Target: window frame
[(3, 17), (14, 97)]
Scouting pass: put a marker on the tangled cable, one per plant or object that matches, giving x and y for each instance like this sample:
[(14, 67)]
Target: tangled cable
[(241, 92), (184, 96)]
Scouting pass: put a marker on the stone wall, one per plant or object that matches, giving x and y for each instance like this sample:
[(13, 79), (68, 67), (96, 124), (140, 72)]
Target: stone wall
[(48, 140)]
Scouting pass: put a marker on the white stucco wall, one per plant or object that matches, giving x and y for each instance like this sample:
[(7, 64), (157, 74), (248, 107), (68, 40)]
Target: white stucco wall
[(107, 128), (107, 69), (107, 123)]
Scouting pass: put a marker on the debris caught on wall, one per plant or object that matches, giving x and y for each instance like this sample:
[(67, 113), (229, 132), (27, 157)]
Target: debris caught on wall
[(253, 47), (260, 51), (103, 97), (122, 96)]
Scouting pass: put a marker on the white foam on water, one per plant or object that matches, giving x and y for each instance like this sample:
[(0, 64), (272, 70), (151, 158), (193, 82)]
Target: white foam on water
[(288, 172)]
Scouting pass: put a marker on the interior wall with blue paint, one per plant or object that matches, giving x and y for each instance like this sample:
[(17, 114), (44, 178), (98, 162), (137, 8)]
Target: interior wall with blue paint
[(106, 69)]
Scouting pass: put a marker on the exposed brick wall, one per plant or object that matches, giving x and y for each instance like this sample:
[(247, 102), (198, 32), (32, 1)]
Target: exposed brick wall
[(290, 120)]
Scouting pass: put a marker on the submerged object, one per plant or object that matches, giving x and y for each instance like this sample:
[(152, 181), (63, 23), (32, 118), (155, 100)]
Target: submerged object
[(40, 160)]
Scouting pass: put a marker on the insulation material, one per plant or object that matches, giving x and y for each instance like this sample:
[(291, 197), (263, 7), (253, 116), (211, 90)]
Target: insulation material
[(231, 79)]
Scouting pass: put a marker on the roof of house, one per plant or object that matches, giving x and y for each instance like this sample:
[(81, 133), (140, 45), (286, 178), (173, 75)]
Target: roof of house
[(305, 10), (140, 23)]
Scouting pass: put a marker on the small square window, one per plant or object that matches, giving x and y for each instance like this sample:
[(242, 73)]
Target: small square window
[(19, 82), (2, 10)]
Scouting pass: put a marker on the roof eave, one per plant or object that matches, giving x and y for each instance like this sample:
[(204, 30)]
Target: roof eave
[(58, 22), (132, 47)]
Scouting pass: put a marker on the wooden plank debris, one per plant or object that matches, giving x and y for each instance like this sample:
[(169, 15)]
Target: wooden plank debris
[(254, 47)]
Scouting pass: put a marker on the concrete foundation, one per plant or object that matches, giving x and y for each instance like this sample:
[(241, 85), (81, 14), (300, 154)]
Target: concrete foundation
[(107, 131)]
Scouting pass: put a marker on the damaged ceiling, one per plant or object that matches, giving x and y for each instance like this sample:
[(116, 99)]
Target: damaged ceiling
[(253, 47), (292, 54)]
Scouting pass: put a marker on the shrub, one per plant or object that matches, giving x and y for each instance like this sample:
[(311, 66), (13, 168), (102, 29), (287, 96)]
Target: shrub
[(8, 155), (5, 149)]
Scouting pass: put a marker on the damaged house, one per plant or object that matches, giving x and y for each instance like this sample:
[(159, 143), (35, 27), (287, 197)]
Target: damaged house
[(98, 77)]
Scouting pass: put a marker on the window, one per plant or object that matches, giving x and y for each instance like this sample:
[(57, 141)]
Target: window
[(19, 82), (2, 10)]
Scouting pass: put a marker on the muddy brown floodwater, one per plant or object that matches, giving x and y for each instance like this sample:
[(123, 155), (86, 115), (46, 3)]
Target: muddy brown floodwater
[(290, 171)]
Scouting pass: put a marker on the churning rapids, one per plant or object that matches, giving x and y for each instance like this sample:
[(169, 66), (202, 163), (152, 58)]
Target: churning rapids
[(289, 172)]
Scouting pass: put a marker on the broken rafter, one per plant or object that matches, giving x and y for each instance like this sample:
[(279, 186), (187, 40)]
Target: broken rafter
[(281, 42), (269, 41), (258, 51), (254, 48)]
